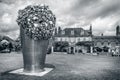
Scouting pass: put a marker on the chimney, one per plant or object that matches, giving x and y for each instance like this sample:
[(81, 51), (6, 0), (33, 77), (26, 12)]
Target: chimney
[(90, 29), (102, 34), (117, 30)]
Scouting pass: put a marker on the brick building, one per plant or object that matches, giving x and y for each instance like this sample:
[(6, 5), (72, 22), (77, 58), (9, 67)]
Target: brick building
[(78, 40)]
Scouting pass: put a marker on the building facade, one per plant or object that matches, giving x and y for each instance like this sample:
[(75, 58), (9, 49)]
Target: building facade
[(73, 40), (78, 40)]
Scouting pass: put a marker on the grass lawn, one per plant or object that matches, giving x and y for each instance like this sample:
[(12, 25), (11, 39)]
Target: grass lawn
[(67, 67)]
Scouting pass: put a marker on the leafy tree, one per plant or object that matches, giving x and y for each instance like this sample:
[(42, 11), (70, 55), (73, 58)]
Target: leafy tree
[(105, 49), (59, 29), (60, 46), (97, 49), (4, 44)]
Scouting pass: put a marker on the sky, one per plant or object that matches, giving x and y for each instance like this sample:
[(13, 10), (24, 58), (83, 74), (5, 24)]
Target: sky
[(103, 15)]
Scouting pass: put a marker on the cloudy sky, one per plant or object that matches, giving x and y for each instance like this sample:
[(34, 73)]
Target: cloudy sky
[(102, 14)]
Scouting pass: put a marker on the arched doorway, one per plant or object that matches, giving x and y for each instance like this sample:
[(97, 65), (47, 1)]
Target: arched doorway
[(71, 50), (84, 47)]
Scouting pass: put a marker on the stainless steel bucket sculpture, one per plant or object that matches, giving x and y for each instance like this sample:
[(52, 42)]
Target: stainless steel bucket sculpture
[(36, 27)]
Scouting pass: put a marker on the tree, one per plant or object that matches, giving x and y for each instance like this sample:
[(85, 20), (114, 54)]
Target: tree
[(59, 29), (55, 31), (4, 44), (97, 49), (105, 49), (60, 46), (10, 47)]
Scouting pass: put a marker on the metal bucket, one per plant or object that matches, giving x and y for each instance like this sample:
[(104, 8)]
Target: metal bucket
[(34, 53)]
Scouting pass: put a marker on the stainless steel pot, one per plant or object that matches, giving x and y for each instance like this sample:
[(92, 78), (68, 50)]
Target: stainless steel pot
[(34, 53)]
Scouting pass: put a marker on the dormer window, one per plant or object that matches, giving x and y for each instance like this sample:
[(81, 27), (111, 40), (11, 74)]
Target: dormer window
[(82, 32), (63, 32), (72, 32)]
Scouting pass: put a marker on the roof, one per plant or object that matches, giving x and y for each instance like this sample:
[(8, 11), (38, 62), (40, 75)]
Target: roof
[(87, 43), (2, 37), (104, 38), (73, 32)]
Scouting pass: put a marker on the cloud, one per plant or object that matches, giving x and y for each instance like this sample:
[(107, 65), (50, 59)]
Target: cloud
[(103, 14), (8, 1), (6, 18), (108, 8)]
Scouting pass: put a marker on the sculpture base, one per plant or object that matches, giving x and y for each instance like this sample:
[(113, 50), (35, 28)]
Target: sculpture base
[(21, 72)]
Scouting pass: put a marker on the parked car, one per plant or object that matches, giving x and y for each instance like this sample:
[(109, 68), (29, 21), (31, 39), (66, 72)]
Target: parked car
[(115, 54)]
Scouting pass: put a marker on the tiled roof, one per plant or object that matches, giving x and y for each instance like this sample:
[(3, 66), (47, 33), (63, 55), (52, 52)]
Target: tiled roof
[(77, 32), (106, 38)]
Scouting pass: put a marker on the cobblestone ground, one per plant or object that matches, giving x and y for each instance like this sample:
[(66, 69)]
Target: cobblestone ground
[(67, 67)]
